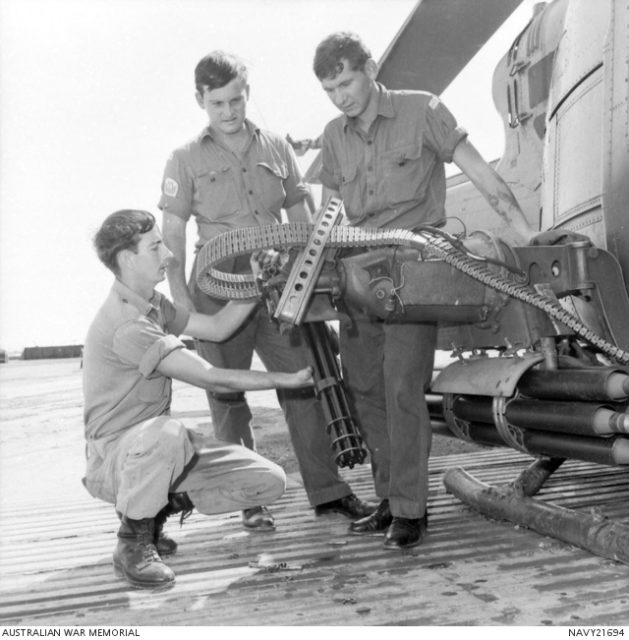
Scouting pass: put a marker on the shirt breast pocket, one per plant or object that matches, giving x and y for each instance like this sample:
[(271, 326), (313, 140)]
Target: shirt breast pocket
[(406, 172), (271, 176), (216, 193)]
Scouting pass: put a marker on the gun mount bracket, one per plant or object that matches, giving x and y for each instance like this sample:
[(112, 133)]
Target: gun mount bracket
[(301, 282)]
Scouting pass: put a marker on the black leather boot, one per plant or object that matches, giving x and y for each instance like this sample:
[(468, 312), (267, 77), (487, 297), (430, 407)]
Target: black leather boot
[(379, 520), (164, 544), (350, 506), (177, 503), (405, 532), (136, 558)]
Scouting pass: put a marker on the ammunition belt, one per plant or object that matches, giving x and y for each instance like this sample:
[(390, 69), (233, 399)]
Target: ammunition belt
[(479, 272), (278, 236), (296, 235)]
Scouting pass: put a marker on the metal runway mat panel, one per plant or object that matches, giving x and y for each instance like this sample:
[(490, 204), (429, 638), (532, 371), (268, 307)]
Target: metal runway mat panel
[(55, 563)]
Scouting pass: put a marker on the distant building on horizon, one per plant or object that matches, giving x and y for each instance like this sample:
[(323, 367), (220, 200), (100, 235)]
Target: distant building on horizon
[(64, 351)]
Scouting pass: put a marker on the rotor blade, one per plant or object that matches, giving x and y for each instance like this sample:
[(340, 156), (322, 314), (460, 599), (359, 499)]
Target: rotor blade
[(438, 39)]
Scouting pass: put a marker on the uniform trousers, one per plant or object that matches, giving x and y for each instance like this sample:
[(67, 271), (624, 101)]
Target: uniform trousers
[(137, 471), (231, 414), (387, 369)]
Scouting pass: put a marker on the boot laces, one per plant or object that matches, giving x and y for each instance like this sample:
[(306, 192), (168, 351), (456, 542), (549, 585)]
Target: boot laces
[(179, 503), (149, 554), (185, 514)]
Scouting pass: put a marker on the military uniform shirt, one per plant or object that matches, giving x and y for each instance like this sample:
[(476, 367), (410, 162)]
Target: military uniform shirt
[(393, 176), (125, 343), (206, 180)]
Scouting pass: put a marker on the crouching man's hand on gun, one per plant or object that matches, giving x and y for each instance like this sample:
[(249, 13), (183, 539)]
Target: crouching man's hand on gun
[(302, 378)]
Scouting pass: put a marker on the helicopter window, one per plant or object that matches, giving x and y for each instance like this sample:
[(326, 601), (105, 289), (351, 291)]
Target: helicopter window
[(539, 76)]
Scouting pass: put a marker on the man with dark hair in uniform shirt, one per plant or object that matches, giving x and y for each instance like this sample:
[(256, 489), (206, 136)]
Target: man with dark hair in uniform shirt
[(236, 175), (385, 158), (139, 458)]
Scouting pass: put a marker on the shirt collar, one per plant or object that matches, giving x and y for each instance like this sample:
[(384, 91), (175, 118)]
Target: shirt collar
[(143, 305), (253, 129), (385, 106)]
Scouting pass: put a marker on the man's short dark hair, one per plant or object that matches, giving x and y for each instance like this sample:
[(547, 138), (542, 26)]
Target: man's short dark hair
[(343, 45), (121, 230), (217, 69)]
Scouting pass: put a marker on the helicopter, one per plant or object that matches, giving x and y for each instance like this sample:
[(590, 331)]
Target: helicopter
[(539, 334)]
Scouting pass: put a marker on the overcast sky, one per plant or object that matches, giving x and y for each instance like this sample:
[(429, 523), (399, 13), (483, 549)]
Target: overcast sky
[(95, 94)]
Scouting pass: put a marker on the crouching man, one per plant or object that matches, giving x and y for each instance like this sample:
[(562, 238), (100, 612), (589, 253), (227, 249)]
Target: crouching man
[(139, 458)]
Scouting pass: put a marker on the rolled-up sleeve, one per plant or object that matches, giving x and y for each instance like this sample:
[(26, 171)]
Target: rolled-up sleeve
[(141, 344), (442, 132), (157, 352)]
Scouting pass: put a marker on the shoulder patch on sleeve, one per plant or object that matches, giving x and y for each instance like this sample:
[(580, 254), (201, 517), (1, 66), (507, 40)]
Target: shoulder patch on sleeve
[(434, 102), (170, 187)]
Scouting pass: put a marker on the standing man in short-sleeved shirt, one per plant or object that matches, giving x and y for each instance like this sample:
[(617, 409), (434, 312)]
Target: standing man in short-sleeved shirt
[(385, 158), (234, 175)]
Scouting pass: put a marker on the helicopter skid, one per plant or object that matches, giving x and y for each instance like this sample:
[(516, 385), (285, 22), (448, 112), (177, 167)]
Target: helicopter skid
[(590, 531)]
